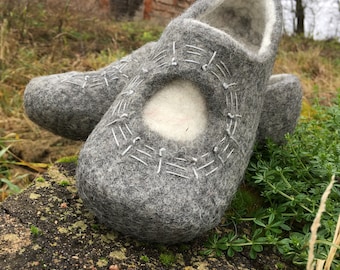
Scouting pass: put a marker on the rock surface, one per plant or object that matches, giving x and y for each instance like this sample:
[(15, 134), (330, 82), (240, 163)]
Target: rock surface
[(47, 227)]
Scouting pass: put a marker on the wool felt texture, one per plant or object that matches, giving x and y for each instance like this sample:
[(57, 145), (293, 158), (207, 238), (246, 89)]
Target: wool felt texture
[(281, 108), (71, 104), (144, 183)]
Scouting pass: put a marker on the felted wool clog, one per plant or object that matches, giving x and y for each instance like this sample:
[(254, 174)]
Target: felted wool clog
[(281, 108), (167, 157), (71, 104)]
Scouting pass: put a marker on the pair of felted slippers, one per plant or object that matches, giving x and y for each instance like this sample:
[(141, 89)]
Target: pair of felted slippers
[(172, 126)]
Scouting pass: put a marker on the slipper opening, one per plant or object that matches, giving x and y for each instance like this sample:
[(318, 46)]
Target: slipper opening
[(249, 22)]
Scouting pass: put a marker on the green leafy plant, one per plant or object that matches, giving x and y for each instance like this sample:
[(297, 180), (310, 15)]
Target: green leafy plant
[(64, 183), (167, 258), (144, 258), (290, 180), (40, 179), (35, 231)]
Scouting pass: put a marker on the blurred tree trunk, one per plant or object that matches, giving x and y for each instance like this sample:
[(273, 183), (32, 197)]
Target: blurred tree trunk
[(300, 15), (124, 8)]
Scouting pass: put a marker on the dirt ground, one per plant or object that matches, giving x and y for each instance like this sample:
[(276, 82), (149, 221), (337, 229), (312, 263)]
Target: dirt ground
[(48, 227)]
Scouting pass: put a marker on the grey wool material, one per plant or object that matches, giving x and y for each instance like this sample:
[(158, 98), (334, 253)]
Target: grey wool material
[(143, 184), (281, 108), (71, 104)]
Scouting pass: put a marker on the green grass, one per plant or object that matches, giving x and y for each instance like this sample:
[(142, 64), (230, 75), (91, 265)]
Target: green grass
[(144, 258), (40, 179), (7, 179), (64, 183), (70, 159), (35, 231), (167, 258)]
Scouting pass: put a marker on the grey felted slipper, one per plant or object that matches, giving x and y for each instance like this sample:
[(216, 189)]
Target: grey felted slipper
[(167, 157), (71, 104), (281, 108)]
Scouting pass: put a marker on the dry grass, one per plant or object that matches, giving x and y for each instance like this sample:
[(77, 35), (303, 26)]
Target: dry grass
[(323, 264), (46, 37), (335, 247), (316, 63)]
